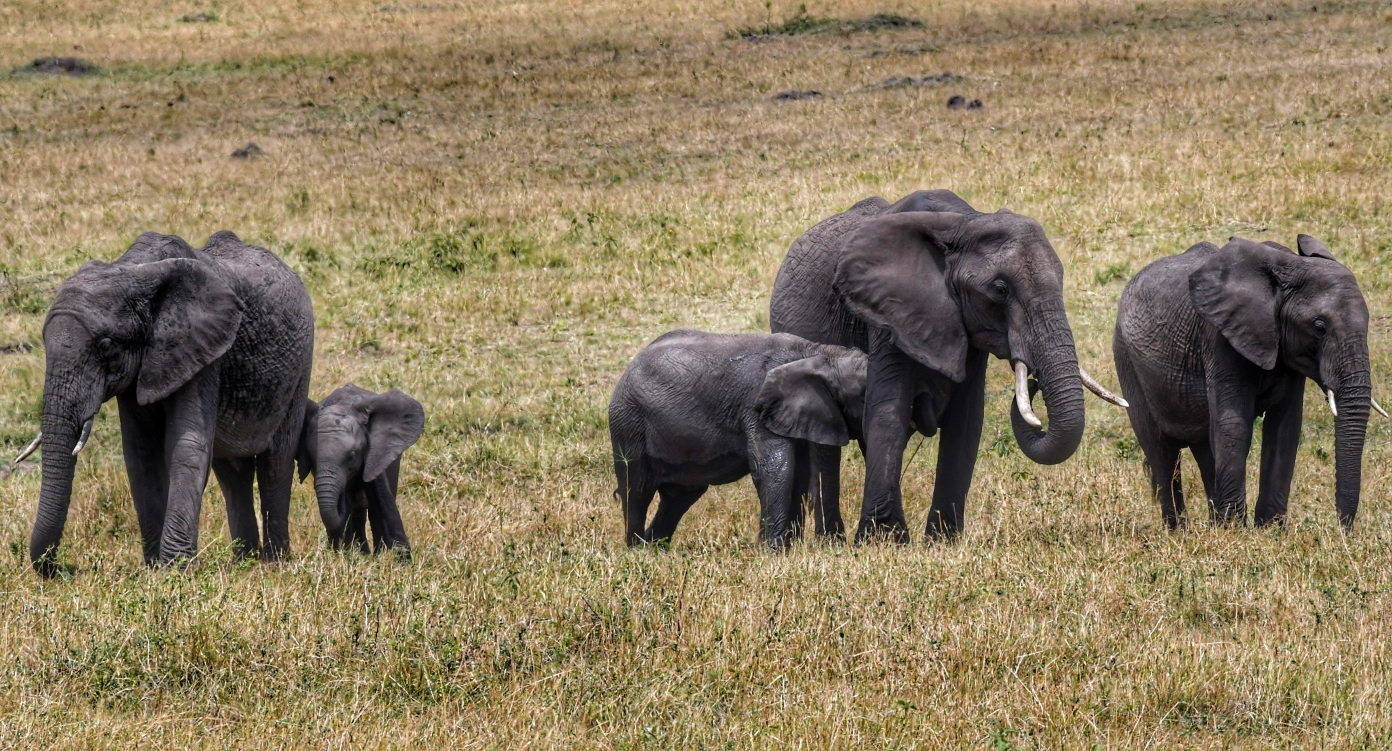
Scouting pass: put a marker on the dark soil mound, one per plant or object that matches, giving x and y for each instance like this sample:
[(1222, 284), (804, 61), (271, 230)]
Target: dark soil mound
[(249, 151), (789, 96), (959, 102), (57, 66)]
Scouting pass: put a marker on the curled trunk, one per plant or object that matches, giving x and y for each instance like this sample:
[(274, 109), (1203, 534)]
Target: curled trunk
[(1056, 371), (328, 488)]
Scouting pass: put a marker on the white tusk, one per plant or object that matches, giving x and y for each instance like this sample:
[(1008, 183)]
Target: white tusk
[(82, 439), (1378, 407), (1022, 400), (34, 444), (1097, 388), (1332, 408)]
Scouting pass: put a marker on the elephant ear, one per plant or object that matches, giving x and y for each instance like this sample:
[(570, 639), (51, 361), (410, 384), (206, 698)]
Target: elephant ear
[(797, 401), (395, 422), (194, 316), (1312, 248), (1236, 291), (893, 274), (307, 453)]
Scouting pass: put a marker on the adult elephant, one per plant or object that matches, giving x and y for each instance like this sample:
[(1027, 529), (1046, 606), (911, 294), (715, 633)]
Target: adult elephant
[(1209, 339), (928, 287), (208, 355)]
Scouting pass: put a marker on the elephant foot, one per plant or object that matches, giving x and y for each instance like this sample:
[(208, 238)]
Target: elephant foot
[(872, 530)]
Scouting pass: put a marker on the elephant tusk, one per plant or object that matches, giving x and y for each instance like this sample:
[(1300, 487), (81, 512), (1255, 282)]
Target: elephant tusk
[(1098, 389), (34, 444), (1332, 407), (82, 439), (1379, 408), (1022, 400)]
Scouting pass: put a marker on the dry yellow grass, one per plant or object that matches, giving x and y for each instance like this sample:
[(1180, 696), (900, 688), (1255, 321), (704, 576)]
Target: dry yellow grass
[(495, 204)]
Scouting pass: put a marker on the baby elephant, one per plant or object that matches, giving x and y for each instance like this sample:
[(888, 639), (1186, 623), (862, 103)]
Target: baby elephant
[(352, 443), (696, 409), (1208, 340)]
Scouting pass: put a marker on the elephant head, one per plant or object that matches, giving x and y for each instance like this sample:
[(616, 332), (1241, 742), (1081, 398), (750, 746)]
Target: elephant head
[(352, 438), (819, 398), (112, 328), (1304, 312), (944, 281)]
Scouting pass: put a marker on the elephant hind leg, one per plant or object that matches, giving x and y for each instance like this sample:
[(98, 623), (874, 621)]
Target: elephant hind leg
[(275, 473), (1162, 458), (1203, 456), (675, 501), (235, 477), (635, 491)]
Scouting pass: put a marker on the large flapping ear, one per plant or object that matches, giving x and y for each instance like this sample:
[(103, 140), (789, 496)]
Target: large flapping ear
[(307, 453), (893, 274), (1312, 248), (194, 316), (796, 401), (395, 422), (1235, 290)]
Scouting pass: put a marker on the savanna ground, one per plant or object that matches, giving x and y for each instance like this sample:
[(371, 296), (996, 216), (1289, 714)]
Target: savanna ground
[(495, 205)]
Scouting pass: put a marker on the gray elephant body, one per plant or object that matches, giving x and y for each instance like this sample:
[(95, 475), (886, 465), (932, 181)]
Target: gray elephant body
[(696, 409), (208, 353), (1207, 340), (928, 287), (352, 444)]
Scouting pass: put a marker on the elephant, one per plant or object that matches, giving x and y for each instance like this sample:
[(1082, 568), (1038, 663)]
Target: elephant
[(352, 444), (696, 409), (1209, 339), (208, 355), (928, 287)]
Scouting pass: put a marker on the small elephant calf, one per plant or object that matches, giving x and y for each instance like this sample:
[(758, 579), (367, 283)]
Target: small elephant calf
[(696, 409), (352, 444)]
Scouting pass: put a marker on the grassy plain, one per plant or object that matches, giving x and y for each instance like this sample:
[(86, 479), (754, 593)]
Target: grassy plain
[(495, 204)]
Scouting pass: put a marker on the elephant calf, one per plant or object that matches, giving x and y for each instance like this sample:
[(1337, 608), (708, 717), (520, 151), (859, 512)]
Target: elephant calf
[(1208, 340), (352, 444), (696, 409)]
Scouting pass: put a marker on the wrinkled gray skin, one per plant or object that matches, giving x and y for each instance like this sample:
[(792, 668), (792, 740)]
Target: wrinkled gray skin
[(352, 444), (929, 287), (696, 409), (1209, 339), (207, 352)]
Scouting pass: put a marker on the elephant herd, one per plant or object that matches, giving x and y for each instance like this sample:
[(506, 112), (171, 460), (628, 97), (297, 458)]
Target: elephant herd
[(883, 317)]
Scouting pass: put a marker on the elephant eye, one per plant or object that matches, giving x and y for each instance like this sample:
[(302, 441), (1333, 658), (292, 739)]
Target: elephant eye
[(1320, 327), (105, 346), (1001, 288)]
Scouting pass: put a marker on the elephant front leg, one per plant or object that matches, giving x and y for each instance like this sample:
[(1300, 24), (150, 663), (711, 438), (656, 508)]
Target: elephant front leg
[(142, 445), (889, 394), (190, 430), (958, 441), (1280, 440), (1232, 411), (772, 467), (824, 490), (387, 530)]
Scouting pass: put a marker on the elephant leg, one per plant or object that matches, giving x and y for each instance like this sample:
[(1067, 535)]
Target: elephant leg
[(142, 445), (802, 482), (958, 442), (1280, 441), (772, 460), (1162, 462), (236, 477), (1203, 456), (824, 490), (889, 394), (355, 531), (387, 530), (275, 474), (636, 488), (674, 502), (189, 433), (1231, 414)]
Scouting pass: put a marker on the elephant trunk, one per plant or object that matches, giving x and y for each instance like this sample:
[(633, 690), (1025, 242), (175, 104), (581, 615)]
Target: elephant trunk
[(1353, 395), (67, 407), (328, 488), (1056, 370)]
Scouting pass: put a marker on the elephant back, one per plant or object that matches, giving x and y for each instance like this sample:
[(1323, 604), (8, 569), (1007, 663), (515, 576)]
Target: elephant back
[(804, 301)]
